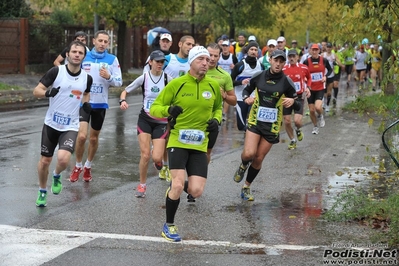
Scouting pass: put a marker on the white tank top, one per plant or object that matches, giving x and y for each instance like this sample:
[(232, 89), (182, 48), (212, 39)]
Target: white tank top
[(331, 59), (153, 85), (226, 63), (248, 72), (175, 68), (63, 111)]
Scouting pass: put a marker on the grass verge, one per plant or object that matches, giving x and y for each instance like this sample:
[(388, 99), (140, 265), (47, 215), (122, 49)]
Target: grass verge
[(356, 204), (5, 87)]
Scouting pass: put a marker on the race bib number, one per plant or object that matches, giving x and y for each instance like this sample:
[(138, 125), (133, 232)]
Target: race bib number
[(148, 104), (318, 76), (266, 114), (61, 119), (297, 86), (96, 88), (349, 59), (191, 136)]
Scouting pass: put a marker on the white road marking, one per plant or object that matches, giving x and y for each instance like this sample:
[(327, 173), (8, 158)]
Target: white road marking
[(29, 247)]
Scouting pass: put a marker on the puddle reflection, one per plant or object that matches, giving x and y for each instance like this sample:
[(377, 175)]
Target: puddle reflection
[(290, 219)]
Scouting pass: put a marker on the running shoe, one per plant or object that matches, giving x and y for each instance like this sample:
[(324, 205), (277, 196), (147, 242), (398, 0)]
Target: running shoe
[(164, 173), (334, 101), (140, 191), (327, 108), (370, 80), (56, 186), (87, 174), (299, 135), (321, 121), (315, 130), (75, 174), (307, 113), (246, 194), (41, 198), (158, 166), (239, 175), (190, 198), (168, 175), (292, 145), (169, 232)]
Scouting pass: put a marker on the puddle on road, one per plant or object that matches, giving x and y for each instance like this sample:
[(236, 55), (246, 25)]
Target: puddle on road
[(378, 185), (296, 218)]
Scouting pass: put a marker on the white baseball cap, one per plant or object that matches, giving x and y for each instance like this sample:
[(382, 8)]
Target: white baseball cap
[(166, 36), (252, 38), (225, 43), (272, 42), (281, 39)]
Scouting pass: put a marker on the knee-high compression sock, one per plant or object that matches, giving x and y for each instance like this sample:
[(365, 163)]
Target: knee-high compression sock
[(335, 92), (252, 173), (171, 209), (328, 99)]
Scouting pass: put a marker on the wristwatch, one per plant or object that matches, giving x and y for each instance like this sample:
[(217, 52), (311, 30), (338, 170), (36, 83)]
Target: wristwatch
[(121, 101)]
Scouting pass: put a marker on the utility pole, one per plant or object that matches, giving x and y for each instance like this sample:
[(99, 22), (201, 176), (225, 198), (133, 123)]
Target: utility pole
[(192, 15), (96, 19)]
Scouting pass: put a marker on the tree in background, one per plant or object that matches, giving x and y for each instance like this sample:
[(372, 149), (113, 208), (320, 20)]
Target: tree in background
[(120, 14), (15, 9), (378, 21), (231, 15)]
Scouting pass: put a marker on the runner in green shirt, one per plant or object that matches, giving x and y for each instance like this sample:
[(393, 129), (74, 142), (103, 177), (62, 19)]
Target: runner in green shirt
[(194, 106), (225, 85)]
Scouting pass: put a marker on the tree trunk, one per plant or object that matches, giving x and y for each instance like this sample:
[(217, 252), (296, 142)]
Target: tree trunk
[(390, 89), (121, 46)]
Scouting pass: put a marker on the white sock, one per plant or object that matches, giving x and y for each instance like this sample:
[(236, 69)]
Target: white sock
[(79, 165), (88, 164)]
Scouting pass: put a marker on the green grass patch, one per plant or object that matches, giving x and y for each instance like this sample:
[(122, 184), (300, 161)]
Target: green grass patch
[(5, 87), (380, 104), (355, 205), (358, 204)]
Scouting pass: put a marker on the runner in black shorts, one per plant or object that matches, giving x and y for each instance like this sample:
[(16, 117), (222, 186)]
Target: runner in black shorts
[(265, 118), (106, 72), (194, 104), (226, 88), (300, 75), (150, 130), (70, 86)]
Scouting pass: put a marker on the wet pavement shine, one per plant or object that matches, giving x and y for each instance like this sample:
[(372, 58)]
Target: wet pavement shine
[(103, 223)]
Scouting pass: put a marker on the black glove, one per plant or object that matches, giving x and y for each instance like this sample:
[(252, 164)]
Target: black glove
[(174, 111), (213, 125), (52, 92), (86, 107)]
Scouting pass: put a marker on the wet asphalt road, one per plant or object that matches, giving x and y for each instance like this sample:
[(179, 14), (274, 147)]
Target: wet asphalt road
[(102, 223)]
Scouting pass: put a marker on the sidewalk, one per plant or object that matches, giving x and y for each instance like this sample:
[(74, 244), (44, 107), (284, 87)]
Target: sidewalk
[(28, 82)]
